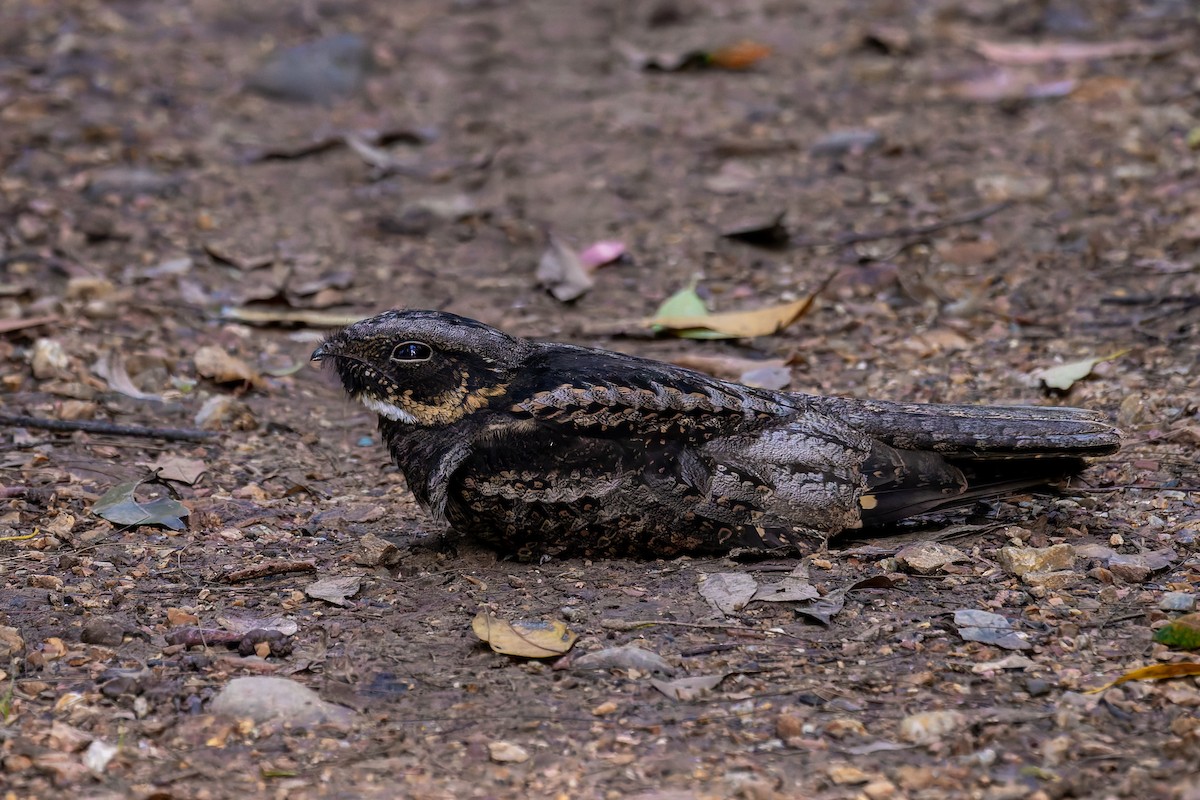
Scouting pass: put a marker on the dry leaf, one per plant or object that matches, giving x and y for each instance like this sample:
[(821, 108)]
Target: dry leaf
[(741, 324), (687, 689), (1156, 672), (628, 657), (728, 592), (334, 590), (288, 316), (601, 253), (1064, 376), (1030, 54), (524, 638), (213, 362), (562, 272), (178, 469), (112, 369)]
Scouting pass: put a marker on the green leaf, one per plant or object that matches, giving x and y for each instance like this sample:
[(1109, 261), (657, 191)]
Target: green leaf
[(1182, 633), (686, 303), (120, 506)]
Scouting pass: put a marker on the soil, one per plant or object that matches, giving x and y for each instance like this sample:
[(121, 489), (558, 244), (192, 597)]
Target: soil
[(152, 196)]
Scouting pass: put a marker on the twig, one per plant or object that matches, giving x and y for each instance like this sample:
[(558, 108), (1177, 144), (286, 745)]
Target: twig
[(268, 568), (905, 231), (111, 428)]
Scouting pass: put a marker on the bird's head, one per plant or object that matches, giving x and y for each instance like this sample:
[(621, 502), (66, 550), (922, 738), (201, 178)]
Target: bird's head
[(423, 368)]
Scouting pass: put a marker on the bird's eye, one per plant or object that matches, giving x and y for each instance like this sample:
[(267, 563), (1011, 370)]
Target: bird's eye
[(411, 351)]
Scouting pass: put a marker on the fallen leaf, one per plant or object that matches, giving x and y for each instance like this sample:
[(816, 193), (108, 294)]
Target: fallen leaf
[(1030, 53), (738, 324), (688, 689), (823, 609), (738, 56), (686, 303), (214, 363), (178, 468), (601, 253), (628, 657), (112, 369), (523, 638), (975, 625), (1182, 633), (334, 590), (1155, 672), (728, 592), (562, 272), (1013, 661), (794, 588), (1064, 376), (119, 506)]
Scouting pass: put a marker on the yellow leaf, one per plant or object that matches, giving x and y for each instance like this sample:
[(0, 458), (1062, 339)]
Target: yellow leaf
[(1156, 672), (1064, 376), (761, 322), (524, 638)]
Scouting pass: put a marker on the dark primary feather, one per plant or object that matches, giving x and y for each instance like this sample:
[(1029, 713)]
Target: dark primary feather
[(551, 448)]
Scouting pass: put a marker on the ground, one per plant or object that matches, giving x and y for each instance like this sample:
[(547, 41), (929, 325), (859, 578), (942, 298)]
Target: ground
[(1024, 203)]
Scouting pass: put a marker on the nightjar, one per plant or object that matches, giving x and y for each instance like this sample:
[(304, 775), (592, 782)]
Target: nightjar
[(541, 449)]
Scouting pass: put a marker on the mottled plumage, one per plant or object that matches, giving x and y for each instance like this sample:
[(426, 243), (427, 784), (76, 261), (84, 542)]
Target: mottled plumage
[(539, 448)]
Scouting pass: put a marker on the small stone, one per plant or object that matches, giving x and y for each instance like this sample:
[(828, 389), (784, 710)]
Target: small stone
[(1036, 687), (51, 582), (930, 726), (127, 182), (507, 753), (375, 551), (926, 558), (1177, 601), (1130, 568), (789, 725), (267, 698), (1054, 581), (851, 140), (104, 631), (1021, 560), (48, 360), (221, 412), (314, 72), (845, 774), (605, 708), (11, 644), (880, 789)]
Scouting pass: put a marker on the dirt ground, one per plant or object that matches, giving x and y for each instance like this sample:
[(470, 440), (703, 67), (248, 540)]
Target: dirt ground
[(1024, 201)]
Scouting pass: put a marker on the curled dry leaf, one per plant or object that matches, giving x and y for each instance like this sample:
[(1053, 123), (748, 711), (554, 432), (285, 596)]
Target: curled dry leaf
[(112, 369), (1155, 672), (523, 638), (334, 590), (562, 272)]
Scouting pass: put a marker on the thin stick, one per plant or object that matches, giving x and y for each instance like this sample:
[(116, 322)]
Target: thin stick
[(903, 232), (111, 428), (268, 568)]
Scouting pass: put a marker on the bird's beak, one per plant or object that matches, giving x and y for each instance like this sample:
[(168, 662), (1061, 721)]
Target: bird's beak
[(321, 353)]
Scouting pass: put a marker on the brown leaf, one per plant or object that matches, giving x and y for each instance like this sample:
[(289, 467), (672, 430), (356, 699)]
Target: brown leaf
[(688, 689), (222, 367), (562, 272), (747, 324)]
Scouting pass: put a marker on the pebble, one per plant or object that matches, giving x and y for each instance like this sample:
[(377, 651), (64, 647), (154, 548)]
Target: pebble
[(1020, 561), (314, 72), (927, 727), (267, 698), (1177, 601), (104, 631), (926, 558), (507, 753)]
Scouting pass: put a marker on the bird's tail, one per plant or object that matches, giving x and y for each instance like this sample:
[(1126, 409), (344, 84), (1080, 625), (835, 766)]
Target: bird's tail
[(935, 457), (979, 432)]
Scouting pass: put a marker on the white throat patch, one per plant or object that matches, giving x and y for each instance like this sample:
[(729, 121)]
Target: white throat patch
[(389, 410)]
